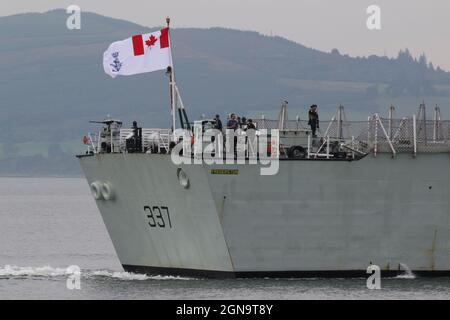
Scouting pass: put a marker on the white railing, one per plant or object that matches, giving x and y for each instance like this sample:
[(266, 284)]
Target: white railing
[(92, 143), (375, 135), (316, 153), (151, 138), (379, 123), (379, 135), (157, 140)]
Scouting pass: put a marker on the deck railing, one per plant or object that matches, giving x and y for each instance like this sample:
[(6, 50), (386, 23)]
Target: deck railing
[(380, 135), (375, 135)]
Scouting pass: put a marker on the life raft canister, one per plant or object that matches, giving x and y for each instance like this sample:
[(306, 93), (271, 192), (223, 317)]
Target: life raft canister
[(96, 190)]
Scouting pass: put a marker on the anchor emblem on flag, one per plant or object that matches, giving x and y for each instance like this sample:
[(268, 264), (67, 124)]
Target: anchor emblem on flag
[(116, 62)]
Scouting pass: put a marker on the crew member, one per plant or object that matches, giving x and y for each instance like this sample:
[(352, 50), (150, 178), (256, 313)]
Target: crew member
[(217, 123), (243, 124), (250, 124), (232, 122), (313, 117)]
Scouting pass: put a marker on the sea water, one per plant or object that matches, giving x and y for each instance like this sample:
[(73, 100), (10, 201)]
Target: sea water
[(49, 224)]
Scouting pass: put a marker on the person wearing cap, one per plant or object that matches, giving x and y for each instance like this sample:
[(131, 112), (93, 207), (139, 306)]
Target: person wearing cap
[(250, 124), (313, 117), (243, 123)]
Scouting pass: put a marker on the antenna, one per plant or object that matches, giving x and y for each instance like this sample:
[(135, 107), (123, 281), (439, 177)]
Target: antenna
[(391, 120), (340, 119), (437, 123), (283, 116), (422, 114)]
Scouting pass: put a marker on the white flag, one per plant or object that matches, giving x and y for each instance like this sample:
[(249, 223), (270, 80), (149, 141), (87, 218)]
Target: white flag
[(138, 54)]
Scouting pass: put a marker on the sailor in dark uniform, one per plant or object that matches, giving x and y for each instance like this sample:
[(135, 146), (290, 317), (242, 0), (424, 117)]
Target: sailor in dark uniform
[(313, 117)]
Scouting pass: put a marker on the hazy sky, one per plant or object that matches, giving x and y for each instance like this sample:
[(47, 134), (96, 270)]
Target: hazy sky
[(422, 26)]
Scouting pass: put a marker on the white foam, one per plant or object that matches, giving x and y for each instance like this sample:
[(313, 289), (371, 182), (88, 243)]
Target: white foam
[(119, 275), (48, 271), (405, 276), (133, 276), (408, 273), (45, 271)]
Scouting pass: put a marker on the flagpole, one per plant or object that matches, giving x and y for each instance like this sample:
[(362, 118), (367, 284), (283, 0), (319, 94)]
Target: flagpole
[(172, 83)]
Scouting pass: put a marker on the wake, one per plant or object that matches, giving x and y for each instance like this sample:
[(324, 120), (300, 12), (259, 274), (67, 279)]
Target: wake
[(9, 271), (408, 274)]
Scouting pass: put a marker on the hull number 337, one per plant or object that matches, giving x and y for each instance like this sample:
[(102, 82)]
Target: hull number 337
[(158, 216)]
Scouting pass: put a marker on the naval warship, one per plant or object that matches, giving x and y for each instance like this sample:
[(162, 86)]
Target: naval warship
[(360, 193)]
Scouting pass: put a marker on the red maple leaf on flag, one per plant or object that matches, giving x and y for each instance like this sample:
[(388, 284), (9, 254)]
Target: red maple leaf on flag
[(151, 41)]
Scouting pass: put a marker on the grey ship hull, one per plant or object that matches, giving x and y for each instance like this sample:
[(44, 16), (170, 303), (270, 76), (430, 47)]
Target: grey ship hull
[(314, 218)]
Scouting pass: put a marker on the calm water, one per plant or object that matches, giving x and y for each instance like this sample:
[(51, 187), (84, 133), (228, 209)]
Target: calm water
[(48, 224)]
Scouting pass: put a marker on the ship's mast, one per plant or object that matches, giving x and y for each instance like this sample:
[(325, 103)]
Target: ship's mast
[(176, 104), (171, 74)]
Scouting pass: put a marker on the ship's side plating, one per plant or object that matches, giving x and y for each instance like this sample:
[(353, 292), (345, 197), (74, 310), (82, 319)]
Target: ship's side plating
[(153, 221), (315, 217)]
